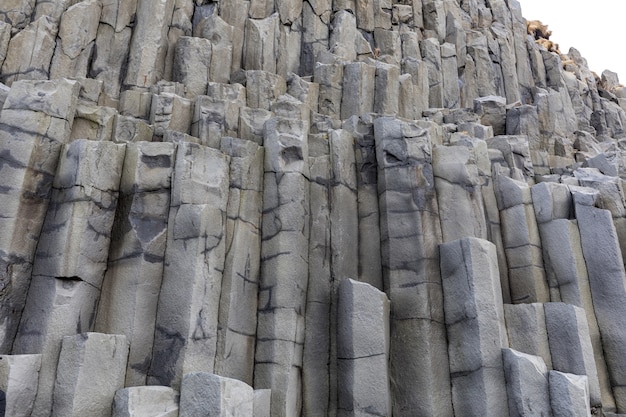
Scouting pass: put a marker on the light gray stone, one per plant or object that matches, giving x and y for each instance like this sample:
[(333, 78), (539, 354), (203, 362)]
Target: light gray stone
[(38, 41), (35, 123), (19, 377), (146, 401), (75, 40), (526, 328), (202, 393), (240, 282), (260, 43), (358, 78), (527, 384), (130, 290), (569, 395), (91, 369), (262, 402), (187, 314), (363, 350), (570, 344), (149, 43), (474, 317), (284, 278), (192, 64), (410, 235)]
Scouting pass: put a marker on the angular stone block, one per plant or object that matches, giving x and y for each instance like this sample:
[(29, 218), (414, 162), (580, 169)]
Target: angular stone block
[(192, 61), (214, 118), (329, 77), (526, 327), (570, 345), (263, 88), (91, 369), (75, 40), (474, 317), (527, 384), (29, 52), (363, 350), (205, 394), (19, 377), (147, 401), (169, 111), (148, 48), (569, 395), (260, 44)]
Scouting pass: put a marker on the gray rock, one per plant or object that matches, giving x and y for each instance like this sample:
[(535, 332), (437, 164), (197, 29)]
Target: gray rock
[(527, 384), (410, 234), (474, 317), (128, 303), (187, 315), (238, 300), (146, 401), (363, 350), (203, 393), (91, 370), (526, 328), (19, 377), (570, 344), (569, 395)]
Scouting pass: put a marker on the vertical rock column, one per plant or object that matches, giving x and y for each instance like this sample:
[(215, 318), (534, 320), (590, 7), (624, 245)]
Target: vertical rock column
[(149, 44), (284, 264), (607, 280), (35, 122), (475, 324), (187, 316), (240, 282), (19, 375), (367, 197), (410, 235), (91, 370), (130, 291), (316, 369), (363, 350), (71, 256), (522, 244)]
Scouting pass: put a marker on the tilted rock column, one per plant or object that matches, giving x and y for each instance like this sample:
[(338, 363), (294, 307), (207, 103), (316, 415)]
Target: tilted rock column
[(71, 256), (35, 123)]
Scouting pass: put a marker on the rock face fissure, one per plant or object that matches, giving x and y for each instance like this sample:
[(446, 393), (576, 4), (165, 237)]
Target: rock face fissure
[(285, 208)]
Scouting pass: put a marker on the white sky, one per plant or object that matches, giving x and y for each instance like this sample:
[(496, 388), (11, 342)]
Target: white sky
[(596, 28)]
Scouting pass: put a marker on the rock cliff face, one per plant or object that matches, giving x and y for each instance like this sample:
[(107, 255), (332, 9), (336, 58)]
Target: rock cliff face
[(306, 208)]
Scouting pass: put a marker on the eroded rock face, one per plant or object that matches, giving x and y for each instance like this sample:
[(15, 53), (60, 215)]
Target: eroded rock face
[(306, 208)]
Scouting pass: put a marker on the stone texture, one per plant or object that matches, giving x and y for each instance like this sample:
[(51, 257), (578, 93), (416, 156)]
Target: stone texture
[(146, 401), (19, 376), (527, 384), (132, 282), (207, 394), (91, 370), (569, 394), (363, 374), (187, 314), (474, 317)]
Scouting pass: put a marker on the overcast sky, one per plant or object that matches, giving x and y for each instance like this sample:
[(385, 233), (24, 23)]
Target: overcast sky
[(597, 28)]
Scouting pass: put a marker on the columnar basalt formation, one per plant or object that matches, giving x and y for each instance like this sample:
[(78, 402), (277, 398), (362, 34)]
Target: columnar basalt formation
[(307, 208)]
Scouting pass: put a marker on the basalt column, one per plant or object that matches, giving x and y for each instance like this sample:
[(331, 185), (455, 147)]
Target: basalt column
[(284, 265), (410, 235)]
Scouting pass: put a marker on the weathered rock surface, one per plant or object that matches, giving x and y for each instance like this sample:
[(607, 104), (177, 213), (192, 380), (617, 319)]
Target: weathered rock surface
[(315, 208)]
